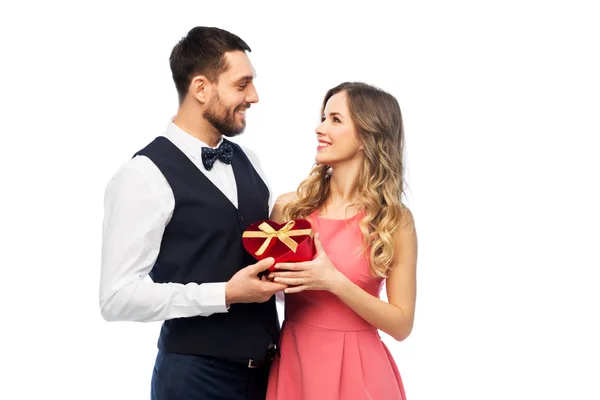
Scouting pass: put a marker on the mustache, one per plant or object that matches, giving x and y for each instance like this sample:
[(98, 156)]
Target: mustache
[(243, 107)]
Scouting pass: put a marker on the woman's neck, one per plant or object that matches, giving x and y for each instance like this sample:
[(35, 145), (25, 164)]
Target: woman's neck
[(343, 186)]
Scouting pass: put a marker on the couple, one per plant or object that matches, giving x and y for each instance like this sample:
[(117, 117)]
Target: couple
[(177, 210)]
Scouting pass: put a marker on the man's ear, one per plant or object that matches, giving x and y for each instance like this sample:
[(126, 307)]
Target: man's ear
[(200, 88)]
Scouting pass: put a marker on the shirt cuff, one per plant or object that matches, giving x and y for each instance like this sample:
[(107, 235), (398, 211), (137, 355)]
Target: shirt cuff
[(212, 297)]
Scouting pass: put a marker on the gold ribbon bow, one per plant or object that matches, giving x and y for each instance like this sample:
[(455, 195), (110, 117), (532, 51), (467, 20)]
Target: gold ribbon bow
[(283, 234)]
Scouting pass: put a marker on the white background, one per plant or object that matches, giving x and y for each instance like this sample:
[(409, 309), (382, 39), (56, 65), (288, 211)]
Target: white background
[(501, 103)]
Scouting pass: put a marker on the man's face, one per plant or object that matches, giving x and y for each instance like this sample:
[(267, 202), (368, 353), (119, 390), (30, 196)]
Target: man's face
[(234, 93)]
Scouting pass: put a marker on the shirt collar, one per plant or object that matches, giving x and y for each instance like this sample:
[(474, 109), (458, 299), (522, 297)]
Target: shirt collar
[(190, 145)]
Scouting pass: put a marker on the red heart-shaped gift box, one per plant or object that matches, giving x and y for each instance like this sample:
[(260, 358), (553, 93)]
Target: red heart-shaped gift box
[(290, 242)]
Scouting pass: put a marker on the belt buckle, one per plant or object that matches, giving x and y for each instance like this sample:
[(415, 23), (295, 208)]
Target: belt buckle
[(268, 358)]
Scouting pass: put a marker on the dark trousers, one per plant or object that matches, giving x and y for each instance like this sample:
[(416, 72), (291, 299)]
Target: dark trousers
[(190, 377)]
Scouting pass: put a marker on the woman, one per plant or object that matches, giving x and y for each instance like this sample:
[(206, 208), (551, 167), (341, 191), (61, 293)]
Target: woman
[(365, 236)]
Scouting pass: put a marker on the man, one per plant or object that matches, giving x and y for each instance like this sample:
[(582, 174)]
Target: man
[(176, 212)]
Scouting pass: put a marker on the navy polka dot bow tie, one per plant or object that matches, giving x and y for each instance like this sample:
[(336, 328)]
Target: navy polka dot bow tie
[(223, 153)]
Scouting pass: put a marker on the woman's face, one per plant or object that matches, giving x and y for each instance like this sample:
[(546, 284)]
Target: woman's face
[(338, 140)]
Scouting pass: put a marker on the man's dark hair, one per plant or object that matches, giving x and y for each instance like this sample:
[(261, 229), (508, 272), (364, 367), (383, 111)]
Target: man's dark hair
[(202, 52)]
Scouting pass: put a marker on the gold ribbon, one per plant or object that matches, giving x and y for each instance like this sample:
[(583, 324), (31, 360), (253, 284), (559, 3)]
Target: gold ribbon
[(283, 234)]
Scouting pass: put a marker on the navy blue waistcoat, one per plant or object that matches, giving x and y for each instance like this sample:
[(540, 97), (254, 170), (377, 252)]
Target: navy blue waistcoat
[(203, 243)]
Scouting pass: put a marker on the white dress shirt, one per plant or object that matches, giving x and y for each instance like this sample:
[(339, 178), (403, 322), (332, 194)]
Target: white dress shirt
[(138, 205)]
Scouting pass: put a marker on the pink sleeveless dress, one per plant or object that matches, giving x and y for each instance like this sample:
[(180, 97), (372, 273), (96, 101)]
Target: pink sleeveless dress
[(328, 352)]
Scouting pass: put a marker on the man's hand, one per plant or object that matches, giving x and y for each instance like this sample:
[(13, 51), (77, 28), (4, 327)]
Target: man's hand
[(246, 287)]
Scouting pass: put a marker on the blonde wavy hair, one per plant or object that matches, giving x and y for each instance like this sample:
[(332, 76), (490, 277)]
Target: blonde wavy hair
[(378, 122)]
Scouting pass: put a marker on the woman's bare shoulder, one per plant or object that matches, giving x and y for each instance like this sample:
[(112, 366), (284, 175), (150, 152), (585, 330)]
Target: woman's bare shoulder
[(279, 205), (286, 198)]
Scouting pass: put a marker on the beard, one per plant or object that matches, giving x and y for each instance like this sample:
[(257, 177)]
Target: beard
[(223, 119)]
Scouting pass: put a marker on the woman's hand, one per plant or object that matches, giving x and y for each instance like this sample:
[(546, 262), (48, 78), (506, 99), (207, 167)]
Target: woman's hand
[(318, 274)]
